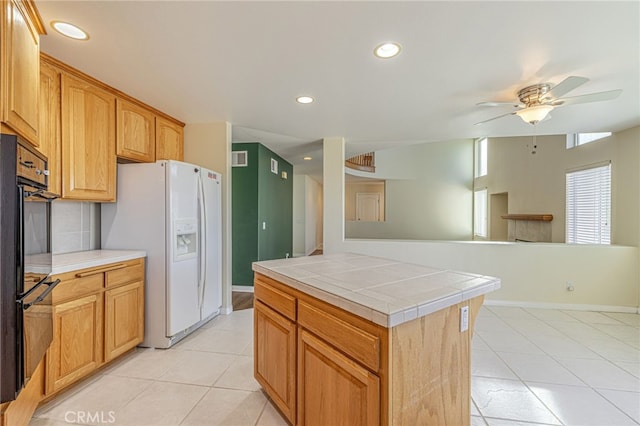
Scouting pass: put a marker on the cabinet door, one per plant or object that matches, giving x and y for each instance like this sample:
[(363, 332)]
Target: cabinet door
[(135, 132), (20, 68), (275, 357), (169, 140), (124, 319), (88, 141), (50, 143), (76, 349), (332, 388)]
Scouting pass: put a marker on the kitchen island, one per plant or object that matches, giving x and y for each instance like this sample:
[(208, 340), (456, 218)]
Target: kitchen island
[(352, 339)]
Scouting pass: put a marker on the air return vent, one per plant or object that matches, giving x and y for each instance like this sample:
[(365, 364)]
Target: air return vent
[(239, 158)]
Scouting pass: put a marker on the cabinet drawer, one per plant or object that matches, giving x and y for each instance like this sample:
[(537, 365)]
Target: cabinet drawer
[(124, 274), (75, 288), (278, 300), (355, 342)]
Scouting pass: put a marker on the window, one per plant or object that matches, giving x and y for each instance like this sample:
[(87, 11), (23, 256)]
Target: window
[(575, 139), (480, 213), (481, 158), (589, 206)]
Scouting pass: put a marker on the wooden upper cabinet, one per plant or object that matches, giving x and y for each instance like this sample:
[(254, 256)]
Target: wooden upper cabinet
[(169, 140), (50, 143), (20, 67), (88, 141), (135, 132)]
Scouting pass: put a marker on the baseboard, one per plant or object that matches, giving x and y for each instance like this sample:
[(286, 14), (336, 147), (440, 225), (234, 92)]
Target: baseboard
[(242, 288), (299, 255), (565, 306)]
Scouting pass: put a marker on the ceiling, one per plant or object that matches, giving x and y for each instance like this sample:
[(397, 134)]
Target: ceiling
[(246, 62)]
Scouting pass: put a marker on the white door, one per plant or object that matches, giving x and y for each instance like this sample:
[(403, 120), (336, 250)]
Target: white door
[(211, 297), (182, 237), (368, 207)]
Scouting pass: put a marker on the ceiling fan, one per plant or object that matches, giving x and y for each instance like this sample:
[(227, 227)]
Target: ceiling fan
[(538, 100)]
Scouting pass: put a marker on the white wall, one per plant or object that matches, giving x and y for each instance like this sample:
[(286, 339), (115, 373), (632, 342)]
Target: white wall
[(603, 276), (299, 226), (209, 145), (307, 215), (428, 193), (536, 182), (313, 213)]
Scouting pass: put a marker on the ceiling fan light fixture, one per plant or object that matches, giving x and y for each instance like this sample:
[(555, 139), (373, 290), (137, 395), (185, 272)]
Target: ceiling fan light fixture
[(535, 114)]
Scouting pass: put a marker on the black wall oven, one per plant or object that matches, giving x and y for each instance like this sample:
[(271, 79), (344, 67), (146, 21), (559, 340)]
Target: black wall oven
[(26, 324)]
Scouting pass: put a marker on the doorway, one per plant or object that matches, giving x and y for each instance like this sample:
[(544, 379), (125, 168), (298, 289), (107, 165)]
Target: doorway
[(498, 227), (368, 207)]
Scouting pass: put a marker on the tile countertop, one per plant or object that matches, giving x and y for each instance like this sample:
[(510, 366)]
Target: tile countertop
[(67, 262), (385, 291)]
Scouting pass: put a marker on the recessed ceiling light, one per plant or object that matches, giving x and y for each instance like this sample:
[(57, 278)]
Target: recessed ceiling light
[(304, 99), (307, 158), (387, 50), (69, 30)]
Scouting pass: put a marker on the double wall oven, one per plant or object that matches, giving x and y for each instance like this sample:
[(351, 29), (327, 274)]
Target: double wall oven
[(26, 324)]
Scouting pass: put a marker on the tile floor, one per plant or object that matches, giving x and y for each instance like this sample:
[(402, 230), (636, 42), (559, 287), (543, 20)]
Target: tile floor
[(529, 366)]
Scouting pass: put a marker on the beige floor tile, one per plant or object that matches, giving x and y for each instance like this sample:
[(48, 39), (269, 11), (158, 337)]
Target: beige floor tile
[(146, 364), (237, 321), (49, 422), (197, 368), (221, 341), (106, 395), (227, 407), (161, 404), (271, 417), (239, 375)]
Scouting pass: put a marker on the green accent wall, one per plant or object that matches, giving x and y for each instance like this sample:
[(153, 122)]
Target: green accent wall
[(258, 196)]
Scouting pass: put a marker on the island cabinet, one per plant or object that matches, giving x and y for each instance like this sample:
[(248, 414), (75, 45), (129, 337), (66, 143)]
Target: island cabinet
[(331, 350), (20, 29), (98, 314)]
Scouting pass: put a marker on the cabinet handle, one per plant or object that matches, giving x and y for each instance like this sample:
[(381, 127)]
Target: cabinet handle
[(100, 270)]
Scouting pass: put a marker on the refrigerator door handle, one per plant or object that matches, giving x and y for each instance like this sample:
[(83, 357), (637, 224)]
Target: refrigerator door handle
[(203, 244)]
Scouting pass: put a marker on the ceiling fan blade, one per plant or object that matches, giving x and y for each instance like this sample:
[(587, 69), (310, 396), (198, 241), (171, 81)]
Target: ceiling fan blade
[(565, 86), (494, 104), (591, 97), (495, 118)]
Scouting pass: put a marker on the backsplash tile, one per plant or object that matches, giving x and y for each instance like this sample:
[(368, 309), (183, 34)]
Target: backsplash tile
[(75, 226)]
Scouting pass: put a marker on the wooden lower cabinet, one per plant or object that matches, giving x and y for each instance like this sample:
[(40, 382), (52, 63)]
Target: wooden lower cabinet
[(77, 341), (333, 389), (351, 371), (275, 357), (98, 315), (124, 319)]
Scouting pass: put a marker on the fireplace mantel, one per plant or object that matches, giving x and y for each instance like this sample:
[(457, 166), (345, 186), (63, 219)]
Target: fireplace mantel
[(541, 217)]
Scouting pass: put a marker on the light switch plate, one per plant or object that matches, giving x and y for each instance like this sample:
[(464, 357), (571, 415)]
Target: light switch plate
[(464, 318)]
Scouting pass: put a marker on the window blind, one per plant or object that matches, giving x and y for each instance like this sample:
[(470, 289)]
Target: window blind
[(589, 206)]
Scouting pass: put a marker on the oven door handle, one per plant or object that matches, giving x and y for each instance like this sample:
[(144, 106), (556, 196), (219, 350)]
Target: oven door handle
[(51, 285)]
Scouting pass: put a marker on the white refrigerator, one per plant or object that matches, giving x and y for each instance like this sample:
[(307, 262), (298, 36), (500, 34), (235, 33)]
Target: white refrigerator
[(172, 210)]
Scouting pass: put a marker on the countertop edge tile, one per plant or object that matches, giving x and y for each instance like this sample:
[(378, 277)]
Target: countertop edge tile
[(398, 312), (67, 262)]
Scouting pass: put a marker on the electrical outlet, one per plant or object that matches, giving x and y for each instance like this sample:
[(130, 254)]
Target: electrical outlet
[(570, 286), (464, 318)]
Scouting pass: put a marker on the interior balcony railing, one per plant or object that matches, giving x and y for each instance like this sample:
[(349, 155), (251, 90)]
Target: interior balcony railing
[(363, 162)]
